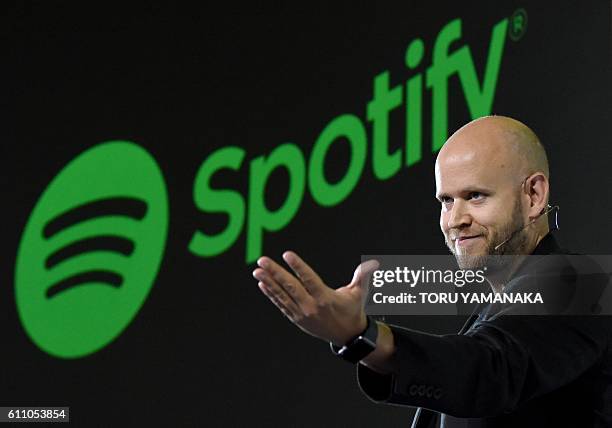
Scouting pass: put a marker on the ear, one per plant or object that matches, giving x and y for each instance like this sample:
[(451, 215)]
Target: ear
[(537, 189)]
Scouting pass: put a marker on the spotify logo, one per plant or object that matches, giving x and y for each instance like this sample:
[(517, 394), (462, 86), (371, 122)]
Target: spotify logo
[(93, 244), (91, 249)]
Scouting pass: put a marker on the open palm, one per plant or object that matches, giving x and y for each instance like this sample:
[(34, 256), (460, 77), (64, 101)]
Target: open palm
[(319, 310)]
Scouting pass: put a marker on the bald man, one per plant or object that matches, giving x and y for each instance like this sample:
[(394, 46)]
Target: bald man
[(492, 181)]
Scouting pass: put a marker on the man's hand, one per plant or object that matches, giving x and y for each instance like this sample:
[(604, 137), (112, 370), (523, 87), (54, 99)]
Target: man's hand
[(332, 315)]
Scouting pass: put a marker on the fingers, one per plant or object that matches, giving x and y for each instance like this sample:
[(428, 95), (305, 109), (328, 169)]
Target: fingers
[(265, 290), (287, 282), (276, 293), (308, 277)]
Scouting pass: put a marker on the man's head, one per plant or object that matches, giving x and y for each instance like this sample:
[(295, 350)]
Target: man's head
[(492, 180)]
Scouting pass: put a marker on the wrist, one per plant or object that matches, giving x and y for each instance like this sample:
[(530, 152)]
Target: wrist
[(359, 346), (360, 328)]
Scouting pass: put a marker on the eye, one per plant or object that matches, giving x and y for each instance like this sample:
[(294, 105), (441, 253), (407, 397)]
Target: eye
[(445, 200), (476, 195)]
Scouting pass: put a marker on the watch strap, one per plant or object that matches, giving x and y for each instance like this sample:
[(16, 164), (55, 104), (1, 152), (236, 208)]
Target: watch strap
[(360, 346)]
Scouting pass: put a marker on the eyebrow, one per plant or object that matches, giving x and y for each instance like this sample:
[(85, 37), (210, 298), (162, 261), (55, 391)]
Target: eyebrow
[(466, 191)]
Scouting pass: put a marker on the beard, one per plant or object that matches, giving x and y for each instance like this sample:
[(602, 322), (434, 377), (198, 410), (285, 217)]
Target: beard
[(496, 259)]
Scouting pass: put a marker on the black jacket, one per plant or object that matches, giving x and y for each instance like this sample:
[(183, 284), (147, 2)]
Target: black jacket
[(505, 370)]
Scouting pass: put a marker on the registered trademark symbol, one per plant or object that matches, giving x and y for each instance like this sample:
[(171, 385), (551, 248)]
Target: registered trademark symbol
[(518, 24)]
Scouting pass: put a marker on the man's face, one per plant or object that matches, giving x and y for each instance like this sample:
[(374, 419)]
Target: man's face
[(480, 205)]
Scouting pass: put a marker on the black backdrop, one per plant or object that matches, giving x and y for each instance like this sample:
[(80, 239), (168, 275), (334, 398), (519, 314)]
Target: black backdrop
[(207, 348)]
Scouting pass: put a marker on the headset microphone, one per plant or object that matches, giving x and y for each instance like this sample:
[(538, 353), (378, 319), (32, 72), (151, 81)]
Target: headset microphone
[(549, 208)]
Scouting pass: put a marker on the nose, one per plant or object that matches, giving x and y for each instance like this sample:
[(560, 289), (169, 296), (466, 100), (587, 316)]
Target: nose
[(459, 216)]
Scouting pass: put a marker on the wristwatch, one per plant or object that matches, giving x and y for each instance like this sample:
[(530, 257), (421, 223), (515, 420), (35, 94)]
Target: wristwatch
[(360, 346)]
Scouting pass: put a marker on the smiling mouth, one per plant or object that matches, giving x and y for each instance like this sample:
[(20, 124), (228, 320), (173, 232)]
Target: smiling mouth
[(466, 239)]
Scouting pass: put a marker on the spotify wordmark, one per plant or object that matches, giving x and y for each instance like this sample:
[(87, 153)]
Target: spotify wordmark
[(91, 249)]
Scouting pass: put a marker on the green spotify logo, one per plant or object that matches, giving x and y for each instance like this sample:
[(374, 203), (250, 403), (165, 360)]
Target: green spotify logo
[(91, 249)]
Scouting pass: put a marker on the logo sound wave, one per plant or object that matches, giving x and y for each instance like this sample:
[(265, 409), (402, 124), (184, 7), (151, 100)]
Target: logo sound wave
[(125, 207)]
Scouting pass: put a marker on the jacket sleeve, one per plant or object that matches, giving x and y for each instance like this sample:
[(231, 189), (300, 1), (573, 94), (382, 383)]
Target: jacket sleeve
[(493, 368)]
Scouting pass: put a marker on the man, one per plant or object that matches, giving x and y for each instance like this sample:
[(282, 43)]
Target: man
[(502, 370)]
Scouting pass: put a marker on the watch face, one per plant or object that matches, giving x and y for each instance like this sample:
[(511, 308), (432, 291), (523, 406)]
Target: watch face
[(357, 350)]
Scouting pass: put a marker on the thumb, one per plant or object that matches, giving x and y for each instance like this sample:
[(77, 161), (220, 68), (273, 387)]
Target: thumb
[(362, 274)]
